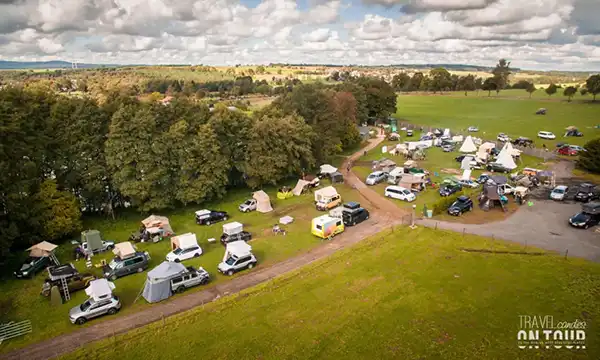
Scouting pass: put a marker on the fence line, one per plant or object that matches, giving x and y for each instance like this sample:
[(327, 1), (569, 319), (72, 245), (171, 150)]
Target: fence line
[(14, 329)]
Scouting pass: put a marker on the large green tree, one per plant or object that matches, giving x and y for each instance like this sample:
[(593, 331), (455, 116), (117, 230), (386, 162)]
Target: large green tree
[(59, 211), (589, 160), (530, 89), (592, 85), (400, 81), (501, 74), (551, 89), (280, 146), (569, 92), (441, 80)]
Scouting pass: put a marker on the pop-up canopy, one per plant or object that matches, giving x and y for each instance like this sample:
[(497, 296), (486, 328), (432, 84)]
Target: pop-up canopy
[(100, 289)]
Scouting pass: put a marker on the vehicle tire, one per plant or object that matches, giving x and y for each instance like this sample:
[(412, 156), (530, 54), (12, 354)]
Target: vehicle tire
[(180, 289), (250, 266), (140, 270), (207, 223), (112, 311), (177, 260), (113, 278), (196, 255), (80, 321), (367, 218), (586, 226), (230, 273), (224, 218)]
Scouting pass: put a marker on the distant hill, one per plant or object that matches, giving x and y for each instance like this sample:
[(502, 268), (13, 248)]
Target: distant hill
[(57, 64)]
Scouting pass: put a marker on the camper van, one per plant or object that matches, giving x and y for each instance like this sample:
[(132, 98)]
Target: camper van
[(326, 226), (327, 198)]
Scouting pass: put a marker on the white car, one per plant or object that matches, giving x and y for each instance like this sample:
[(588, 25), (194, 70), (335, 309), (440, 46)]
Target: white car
[(473, 129), (503, 137), (179, 254), (376, 177), (400, 193), (505, 189), (546, 135), (469, 183), (559, 193)]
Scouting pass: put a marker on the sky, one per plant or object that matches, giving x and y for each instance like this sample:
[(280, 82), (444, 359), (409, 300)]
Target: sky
[(532, 34)]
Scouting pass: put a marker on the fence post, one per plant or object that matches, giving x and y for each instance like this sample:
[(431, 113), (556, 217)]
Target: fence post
[(436, 224), (464, 229), (566, 254)]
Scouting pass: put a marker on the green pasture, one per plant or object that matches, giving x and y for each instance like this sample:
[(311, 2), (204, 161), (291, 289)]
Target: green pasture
[(410, 294), (21, 299), (512, 116)]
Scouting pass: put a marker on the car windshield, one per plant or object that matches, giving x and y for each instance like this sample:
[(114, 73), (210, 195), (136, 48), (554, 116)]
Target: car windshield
[(406, 192), (177, 251), (581, 217), (372, 176), (230, 260), (559, 191), (86, 305), (248, 202), (113, 264)]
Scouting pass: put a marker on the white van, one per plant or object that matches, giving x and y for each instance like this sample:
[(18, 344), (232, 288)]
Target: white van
[(395, 175), (400, 193)]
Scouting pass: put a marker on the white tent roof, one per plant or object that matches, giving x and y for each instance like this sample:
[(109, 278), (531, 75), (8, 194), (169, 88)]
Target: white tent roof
[(99, 289), (233, 228), (124, 250), (237, 248), (327, 169), (466, 163), (329, 191), (468, 145), (505, 158), (482, 155), (184, 241), (396, 171), (486, 146), (202, 212), (299, 187), (466, 175), (286, 220), (446, 132)]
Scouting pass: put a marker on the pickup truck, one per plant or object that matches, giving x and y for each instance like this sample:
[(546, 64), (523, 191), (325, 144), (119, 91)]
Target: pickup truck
[(106, 245), (192, 277)]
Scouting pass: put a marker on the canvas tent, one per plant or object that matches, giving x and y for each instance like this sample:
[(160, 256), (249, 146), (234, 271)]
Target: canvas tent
[(466, 175), (42, 249), (263, 202), (468, 146), (184, 241), (327, 169), (158, 285), (300, 186), (487, 146), (159, 222), (237, 248), (100, 289), (412, 182), (124, 250), (466, 163), (505, 158)]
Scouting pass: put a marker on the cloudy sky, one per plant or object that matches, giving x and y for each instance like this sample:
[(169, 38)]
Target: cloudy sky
[(533, 34)]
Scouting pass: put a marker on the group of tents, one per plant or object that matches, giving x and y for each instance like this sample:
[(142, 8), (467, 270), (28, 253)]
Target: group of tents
[(482, 153)]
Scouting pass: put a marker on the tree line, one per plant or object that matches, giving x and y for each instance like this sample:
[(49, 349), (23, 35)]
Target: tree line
[(62, 156)]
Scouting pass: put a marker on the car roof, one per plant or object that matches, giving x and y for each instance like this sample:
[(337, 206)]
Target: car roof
[(561, 187), (376, 173), (395, 187), (463, 198)]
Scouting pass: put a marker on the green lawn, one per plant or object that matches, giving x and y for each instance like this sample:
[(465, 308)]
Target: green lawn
[(515, 117), (435, 162), (411, 294), (21, 299)]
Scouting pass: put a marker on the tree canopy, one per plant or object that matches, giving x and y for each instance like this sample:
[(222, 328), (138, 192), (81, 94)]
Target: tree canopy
[(590, 159), (593, 85)]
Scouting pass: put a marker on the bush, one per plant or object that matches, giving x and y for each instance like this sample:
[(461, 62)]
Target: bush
[(590, 160), (444, 203)]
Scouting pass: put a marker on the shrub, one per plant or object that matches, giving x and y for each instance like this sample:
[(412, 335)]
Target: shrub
[(590, 160), (444, 203)]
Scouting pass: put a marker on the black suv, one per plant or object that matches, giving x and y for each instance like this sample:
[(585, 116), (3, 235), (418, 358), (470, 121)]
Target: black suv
[(461, 205), (31, 266), (241, 236), (496, 167), (449, 189), (207, 217), (353, 213), (587, 192)]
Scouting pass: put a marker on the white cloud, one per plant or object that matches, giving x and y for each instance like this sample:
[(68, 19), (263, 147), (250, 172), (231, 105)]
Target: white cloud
[(536, 33)]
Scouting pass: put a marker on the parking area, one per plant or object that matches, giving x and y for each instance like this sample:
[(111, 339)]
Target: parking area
[(544, 225)]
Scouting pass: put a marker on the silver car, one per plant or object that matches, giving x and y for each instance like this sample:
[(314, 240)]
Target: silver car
[(376, 177), (91, 309), (234, 264)]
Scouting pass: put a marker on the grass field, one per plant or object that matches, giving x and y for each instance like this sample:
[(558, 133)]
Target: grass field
[(515, 117), (21, 299), (437, 163), (408, 295)]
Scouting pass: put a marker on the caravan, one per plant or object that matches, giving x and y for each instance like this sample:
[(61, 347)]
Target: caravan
[(395, 175), (326, 226)]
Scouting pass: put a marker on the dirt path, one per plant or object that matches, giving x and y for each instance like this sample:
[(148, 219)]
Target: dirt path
[(384, 214)]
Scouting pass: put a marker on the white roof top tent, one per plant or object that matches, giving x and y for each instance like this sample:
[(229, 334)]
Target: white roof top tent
[(124, 250), (237, 249), (233, 228), (100, 289), (325, 193), (468, 146), (184, 241), (327, 169), (201, 213)]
